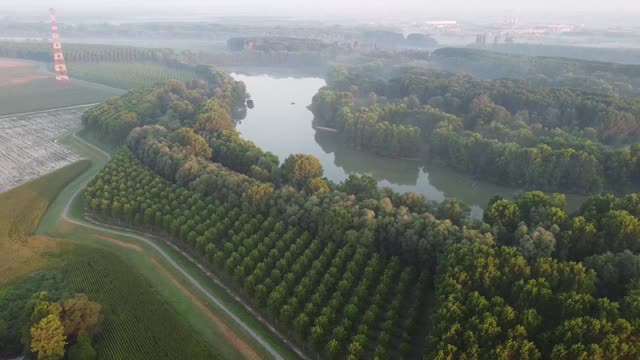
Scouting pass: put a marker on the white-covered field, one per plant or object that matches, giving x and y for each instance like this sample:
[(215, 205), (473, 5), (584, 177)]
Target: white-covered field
[(27, 144)]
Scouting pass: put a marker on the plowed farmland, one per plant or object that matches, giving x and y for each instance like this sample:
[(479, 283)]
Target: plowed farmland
[(27, 145)]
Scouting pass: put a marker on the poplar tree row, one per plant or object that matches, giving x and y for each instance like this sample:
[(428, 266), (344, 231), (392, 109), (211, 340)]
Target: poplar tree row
[(335, 298)]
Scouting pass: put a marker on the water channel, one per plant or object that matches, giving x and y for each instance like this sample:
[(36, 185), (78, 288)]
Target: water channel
[(281, 123)]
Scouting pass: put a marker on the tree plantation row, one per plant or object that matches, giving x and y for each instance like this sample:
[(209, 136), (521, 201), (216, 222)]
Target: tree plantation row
[(87, 53), (337, 297), (348, 270), (128, 76), (504, 131)]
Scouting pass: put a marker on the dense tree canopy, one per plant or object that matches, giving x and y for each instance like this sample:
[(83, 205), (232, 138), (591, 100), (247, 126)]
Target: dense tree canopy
[(504, 131), (542, 71), (348, 270), (172, 104)]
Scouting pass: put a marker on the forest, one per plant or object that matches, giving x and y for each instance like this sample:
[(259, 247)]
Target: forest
[(505, 131), (276, 44), (354, 271), (544, 72), (616, 55), (173, 104)]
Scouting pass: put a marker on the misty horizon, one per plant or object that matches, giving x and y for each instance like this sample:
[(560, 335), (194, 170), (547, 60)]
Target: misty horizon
[(587, 11)]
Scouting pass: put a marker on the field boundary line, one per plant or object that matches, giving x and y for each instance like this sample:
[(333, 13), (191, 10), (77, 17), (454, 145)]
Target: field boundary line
[(132, 234), (48, 110)]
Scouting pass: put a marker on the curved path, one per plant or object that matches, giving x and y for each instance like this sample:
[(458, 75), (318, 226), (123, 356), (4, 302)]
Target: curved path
[(176, 266)]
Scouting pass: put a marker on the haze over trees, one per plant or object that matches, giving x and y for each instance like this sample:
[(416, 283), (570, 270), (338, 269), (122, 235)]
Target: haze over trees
[(542, 71)]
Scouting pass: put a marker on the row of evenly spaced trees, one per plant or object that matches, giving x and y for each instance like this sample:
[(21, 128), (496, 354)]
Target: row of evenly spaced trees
[(88, 53), (334, 296)]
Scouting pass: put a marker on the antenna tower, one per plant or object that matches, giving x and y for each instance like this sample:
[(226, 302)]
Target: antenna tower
[(62, 76)]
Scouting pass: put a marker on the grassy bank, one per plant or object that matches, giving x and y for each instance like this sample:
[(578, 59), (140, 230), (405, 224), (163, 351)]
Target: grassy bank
[(21, 211)]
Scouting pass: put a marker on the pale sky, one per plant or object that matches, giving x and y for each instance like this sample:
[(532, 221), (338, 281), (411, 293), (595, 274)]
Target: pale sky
[(316, 7)]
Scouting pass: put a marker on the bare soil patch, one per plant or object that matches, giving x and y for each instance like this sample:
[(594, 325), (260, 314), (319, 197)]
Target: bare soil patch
[(16, 72), (9, 81), (120, 243), (12, 63), (27, 146)]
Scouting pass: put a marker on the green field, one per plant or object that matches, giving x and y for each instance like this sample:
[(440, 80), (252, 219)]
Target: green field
[(28, 88), (127, 76)]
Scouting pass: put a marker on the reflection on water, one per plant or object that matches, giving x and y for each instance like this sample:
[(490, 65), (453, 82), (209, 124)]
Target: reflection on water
[(348, 160), (281, 123)]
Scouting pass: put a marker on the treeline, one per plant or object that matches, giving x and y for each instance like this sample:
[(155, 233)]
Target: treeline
[(316, 62), (605, 54), (599, 77), (363, 40), (616, 120), (85, 53), (276, 44), (529, 281), (129, 76), (394, 40), (172, 104), (502, 134)]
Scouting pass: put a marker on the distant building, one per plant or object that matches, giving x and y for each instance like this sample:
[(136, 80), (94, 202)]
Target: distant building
[(441, 24)]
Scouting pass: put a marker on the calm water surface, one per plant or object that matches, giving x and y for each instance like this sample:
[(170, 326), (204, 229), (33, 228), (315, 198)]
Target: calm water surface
[(281, 123)]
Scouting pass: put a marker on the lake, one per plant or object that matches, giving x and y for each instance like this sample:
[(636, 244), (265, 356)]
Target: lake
[(281, 123)]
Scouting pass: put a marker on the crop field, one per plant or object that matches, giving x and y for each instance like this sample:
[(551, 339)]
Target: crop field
[(27, 147), (26, 86), (137, 323), (127, 75)]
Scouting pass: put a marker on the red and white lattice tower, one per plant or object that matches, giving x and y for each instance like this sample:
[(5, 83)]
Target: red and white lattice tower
[(62, 77)]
